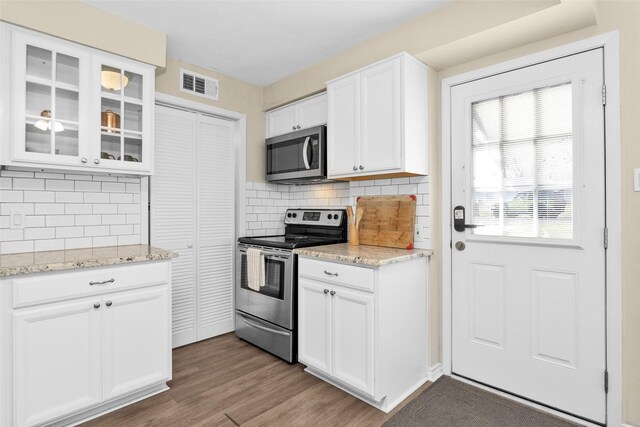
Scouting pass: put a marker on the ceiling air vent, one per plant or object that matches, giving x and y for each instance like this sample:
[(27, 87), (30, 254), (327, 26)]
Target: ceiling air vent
[(197, 84)]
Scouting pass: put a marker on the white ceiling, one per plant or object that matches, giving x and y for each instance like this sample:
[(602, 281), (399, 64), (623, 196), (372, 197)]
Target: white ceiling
[(264, 41)]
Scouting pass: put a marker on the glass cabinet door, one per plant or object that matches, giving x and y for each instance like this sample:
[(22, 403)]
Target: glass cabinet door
[(123, 119), (49, 101)]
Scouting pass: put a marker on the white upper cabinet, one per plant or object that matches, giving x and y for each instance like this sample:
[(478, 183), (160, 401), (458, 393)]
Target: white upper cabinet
[(377, 120), (70, 107), (303, 114)]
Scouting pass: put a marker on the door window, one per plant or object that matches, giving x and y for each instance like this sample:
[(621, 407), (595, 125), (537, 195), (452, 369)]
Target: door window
[(522, 164)]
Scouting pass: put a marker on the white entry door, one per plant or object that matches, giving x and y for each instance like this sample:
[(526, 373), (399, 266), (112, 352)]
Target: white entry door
[(528, 283)]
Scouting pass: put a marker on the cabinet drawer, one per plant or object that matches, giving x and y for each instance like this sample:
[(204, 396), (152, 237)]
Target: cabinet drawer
[(54, 286), (341, 274)]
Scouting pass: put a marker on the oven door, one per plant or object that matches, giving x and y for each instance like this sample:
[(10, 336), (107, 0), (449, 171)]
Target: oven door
[(273, 302), (297, 155)]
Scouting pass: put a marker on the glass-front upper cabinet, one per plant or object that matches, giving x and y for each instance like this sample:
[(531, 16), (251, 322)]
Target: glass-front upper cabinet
[(67, 106), (126, 101), (51, 101)]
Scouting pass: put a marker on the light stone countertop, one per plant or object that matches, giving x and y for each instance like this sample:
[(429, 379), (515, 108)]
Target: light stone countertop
[(374, 256), (38, 262)]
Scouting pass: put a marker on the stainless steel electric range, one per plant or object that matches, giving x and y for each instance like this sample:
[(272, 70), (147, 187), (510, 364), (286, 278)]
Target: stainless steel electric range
[(267, 318)]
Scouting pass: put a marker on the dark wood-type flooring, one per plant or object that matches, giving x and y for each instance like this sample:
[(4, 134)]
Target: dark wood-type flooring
[(225, 381)]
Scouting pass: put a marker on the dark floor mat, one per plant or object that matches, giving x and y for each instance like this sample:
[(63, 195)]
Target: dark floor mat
[(452, 403)]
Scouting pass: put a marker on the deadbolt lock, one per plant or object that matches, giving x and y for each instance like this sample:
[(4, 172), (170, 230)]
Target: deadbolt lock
[(460, 246)]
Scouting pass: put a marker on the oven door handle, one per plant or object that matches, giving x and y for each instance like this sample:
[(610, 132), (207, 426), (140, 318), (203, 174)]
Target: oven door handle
[(304, 153), (257, 326), (268, 254)]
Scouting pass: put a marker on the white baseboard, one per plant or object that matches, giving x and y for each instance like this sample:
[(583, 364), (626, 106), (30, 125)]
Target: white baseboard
[(628, 425), (435, 372)]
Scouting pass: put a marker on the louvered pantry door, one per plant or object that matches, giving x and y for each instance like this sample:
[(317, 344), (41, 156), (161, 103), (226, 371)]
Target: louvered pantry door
[(173, 212), (216, 218), (192, 213)]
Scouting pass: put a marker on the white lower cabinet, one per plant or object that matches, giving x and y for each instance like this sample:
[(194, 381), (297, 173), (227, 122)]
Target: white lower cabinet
[(135, 341), (365, 329), (57, 365), (74, 358)]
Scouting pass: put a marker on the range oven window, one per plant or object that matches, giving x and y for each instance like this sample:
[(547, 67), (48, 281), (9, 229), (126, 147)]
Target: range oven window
[(274, 277), (289, 156)]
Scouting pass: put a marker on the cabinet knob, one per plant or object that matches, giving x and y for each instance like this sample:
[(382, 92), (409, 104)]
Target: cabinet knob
[(326, 291), (83, 160), (96, 161), (355, 168), (96, 305), (109, 303), (361, 167), (333, 293), (293, 128), (298, 127), (189, 245)]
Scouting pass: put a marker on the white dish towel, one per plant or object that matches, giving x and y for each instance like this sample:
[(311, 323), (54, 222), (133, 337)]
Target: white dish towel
[(255, 269)]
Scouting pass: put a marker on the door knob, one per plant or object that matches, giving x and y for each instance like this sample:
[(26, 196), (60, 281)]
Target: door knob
[(460, 246)]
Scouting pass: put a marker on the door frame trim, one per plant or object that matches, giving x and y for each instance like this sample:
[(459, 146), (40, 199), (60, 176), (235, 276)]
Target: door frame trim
[(610, 42)]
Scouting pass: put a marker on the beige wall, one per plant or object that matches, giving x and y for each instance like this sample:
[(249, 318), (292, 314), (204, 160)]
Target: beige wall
[(448, 43), (234, 95), (81, 23)]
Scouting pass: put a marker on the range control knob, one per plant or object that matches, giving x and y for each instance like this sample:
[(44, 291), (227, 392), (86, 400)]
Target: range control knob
[(295, 215), (289, 215), (329, 216), (335, 216)]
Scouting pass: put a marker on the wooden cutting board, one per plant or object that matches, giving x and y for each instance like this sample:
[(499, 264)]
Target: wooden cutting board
[(388, 221)]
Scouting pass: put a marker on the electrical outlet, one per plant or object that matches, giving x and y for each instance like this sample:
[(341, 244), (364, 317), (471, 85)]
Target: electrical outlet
[(636, 179), (17, 217), (417, 234)]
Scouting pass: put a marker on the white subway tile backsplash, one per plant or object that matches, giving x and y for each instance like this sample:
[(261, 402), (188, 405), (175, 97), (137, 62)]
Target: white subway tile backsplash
[(77, 209), (265, 211), (87, 186), (49, 209), (69, 197), (65, 232), (39, 233), (8, 234), (79, 242), (64, 211), (114, 187), (59, 185), (60, 220), (12, 196), (96, 197), (49, 245), (39, 196), (28, 184)]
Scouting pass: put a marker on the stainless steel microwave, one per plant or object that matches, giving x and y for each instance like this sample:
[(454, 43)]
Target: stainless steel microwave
[(298, 157)]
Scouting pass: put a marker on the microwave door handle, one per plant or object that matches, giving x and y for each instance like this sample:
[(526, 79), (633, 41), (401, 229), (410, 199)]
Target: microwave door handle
[(304, 153)]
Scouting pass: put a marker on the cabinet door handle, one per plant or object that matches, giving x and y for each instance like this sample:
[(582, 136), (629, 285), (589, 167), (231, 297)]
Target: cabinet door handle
[(333, 293), (109, 303), (355, 168), (361, 167), (96, 305), (330, 274), (104, 282), (326, 291)]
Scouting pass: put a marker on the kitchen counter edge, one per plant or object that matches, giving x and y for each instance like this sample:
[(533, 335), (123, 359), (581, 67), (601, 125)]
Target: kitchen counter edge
[(69, 259), (372, 256)]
